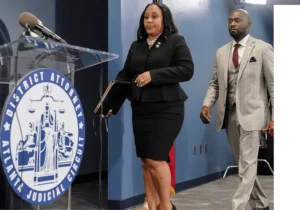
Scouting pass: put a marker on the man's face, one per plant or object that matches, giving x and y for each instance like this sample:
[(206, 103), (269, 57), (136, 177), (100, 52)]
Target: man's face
[(238, 25)]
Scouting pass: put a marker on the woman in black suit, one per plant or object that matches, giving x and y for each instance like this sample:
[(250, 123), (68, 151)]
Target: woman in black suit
[(156, 63)]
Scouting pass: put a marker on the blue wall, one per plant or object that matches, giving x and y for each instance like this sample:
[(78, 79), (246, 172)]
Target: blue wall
[(203, 23)]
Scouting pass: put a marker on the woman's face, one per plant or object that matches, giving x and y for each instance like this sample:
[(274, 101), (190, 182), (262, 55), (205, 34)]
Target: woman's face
[(153, 20)]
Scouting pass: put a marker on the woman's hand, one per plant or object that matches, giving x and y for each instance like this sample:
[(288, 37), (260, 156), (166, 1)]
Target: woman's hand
[(143, 79), (109, 114)]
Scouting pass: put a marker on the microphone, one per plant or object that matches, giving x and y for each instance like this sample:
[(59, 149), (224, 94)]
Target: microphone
[(28, 20)]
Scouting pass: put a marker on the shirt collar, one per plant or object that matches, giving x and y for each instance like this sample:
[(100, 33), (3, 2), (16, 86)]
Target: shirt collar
[(243, 42)]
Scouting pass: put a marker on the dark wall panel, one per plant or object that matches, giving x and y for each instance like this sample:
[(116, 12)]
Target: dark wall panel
[(85, 23)]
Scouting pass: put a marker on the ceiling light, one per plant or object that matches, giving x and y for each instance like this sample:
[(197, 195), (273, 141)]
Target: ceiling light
[(256, 1)]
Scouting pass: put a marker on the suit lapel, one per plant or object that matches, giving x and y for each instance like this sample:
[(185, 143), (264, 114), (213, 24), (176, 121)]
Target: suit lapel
[(227, 53), (248, 50)]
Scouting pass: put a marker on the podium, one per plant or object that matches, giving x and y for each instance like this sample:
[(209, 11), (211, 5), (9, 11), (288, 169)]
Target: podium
[(42, 134)]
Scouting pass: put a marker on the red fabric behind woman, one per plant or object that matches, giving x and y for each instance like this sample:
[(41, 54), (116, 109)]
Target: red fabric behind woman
[(172, 166)]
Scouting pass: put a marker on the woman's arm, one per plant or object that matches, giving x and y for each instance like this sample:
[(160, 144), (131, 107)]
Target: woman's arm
[(183, 69), (124, 74)]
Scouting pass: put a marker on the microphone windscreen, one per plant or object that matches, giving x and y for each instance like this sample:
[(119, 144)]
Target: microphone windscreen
[(28, 18)]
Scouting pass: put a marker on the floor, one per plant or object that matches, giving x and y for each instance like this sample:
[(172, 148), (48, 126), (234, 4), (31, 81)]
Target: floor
[(215, 195), (84, 196)]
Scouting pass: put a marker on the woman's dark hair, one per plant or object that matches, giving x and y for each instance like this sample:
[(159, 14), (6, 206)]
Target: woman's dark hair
[(168, 23)]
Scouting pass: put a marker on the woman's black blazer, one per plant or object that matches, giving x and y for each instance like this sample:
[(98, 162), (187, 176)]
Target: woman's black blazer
[(169, 62)]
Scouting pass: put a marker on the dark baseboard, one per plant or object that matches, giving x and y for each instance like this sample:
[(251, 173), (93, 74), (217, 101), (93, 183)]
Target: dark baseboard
[(133, 201), (203, 180)]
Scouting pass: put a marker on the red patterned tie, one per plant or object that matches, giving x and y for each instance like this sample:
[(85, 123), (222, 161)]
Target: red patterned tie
[(235, 56)]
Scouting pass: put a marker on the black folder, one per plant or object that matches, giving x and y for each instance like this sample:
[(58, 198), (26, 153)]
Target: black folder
[(113, 97)]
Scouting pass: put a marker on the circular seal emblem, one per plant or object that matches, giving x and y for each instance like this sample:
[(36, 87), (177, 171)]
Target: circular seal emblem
[(42, 136)]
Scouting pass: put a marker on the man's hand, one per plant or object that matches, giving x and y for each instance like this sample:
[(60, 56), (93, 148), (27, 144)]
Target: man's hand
[(270, 128), (205, 115)]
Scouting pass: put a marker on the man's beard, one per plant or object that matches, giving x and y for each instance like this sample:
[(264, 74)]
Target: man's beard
[(237, 34)]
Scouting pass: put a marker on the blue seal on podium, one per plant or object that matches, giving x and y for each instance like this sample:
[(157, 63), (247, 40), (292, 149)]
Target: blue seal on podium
[(42, 136)]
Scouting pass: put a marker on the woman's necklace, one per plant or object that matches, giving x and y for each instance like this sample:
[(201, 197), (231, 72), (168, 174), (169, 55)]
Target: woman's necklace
[(151, 42)]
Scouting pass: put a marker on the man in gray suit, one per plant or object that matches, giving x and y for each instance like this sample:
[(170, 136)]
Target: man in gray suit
[(242, 79)]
